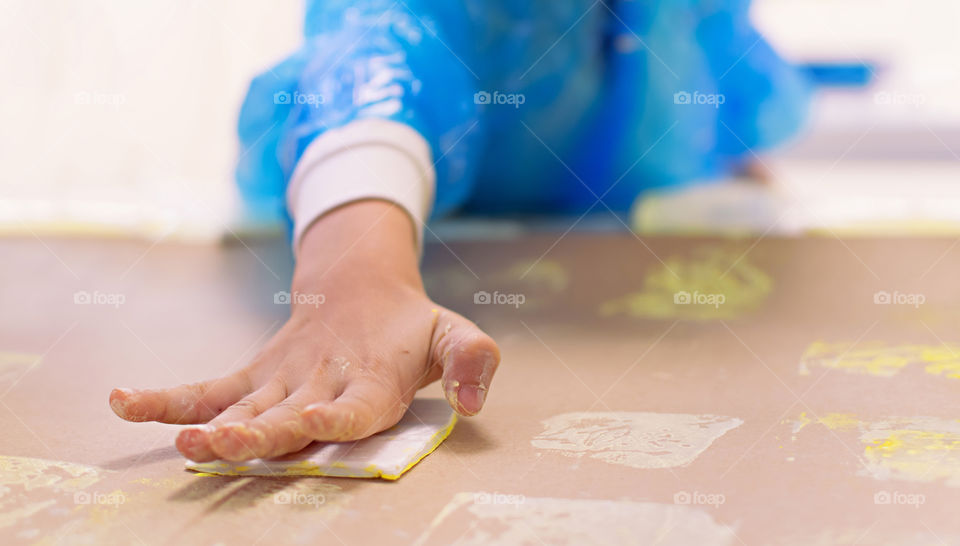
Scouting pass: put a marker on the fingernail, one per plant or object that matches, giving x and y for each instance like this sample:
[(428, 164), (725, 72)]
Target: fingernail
[(315, 406), (335, 425), (120, 404), (235, 441), (471, 398), (189, 437)]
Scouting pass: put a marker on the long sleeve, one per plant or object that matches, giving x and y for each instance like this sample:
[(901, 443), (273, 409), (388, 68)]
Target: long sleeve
[(307, 122)]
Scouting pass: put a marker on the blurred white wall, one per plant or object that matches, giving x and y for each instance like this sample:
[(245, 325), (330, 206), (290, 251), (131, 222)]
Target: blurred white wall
[(119, 115), (911, 111), (123, 112)]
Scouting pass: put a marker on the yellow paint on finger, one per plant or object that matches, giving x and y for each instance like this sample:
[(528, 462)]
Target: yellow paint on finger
[(712, 284)]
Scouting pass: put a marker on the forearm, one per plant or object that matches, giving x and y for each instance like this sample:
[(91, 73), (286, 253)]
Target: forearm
[(367, 241)]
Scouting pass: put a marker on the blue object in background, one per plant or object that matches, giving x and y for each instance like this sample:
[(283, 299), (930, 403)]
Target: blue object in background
[(534, 107), (840, 74)]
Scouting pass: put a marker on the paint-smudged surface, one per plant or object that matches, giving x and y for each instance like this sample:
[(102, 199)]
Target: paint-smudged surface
[(833, 421), (920, 449), (549, 275), (53, 503), (386, 455), (540, 281), (881, 359), (714, 283), (634, 439), (874, 535), (13, 365), (917, 449), (476, 518), (29, 486)]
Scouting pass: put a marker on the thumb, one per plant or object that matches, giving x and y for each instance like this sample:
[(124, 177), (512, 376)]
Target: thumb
[(468, 358)]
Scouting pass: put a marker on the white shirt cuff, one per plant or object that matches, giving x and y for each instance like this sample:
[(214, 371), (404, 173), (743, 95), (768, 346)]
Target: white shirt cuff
[(365, 159)]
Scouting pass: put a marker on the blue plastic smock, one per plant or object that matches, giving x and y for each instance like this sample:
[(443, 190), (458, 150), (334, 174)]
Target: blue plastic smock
[(617, 97)]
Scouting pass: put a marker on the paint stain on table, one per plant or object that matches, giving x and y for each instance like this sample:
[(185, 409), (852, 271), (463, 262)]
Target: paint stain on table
[(30, 486), (485, 518), (15, 365), (881, 359), (710, 284), (916, 449), (634, 439), (919, 449)]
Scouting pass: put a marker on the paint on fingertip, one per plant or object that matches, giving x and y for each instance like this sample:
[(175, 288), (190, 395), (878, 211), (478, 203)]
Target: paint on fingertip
[(634, 439), (450, 391), (123, 406)]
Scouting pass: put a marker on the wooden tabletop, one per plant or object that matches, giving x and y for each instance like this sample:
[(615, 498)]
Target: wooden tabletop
[(833, 405)]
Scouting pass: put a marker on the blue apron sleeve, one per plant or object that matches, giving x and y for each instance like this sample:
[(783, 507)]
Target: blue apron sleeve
[(407, 62)]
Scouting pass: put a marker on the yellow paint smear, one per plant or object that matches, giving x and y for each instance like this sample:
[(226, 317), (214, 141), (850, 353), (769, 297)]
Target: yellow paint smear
[(922, 450), (833, 421), (918, 449), (539, 281), (544, 273), (880, 359), (710, 273)]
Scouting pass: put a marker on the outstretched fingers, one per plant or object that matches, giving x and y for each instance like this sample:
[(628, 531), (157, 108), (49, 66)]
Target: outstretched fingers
[(227, 436), (186, 404), (365, 408)]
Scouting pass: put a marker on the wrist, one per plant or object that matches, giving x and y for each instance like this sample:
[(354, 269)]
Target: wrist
[(368, 241)]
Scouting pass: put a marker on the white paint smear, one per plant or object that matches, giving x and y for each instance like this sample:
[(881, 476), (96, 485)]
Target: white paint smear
[(19, 476), (469, 519), (639, 440)]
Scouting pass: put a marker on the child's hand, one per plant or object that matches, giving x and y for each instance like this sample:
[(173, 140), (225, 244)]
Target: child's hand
[(341, 370)]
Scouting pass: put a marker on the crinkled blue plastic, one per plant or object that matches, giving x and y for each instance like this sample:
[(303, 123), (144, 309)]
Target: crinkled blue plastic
[(541, 106)]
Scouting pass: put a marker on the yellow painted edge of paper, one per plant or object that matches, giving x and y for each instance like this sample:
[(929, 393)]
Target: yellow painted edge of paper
[(435, 442), (206, 470)]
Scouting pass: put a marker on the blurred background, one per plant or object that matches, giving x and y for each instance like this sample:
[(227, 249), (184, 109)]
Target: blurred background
[(119, 118)]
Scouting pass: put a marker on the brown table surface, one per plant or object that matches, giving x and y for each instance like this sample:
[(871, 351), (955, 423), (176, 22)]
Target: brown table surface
[(191, 312)]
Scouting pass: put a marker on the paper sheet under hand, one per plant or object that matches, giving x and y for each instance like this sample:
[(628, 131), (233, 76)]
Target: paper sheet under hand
[(385, 455)]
